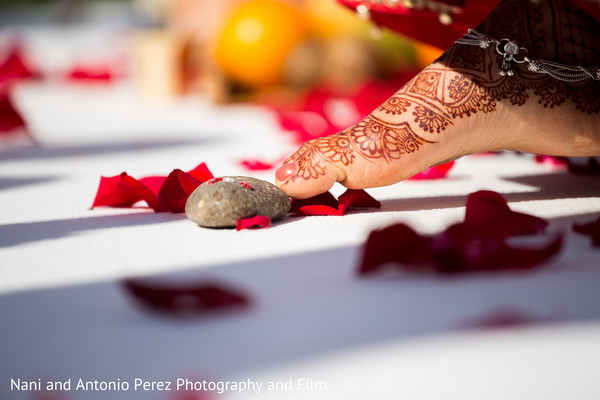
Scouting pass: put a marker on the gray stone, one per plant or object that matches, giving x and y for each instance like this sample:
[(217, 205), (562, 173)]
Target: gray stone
[(219, 203)]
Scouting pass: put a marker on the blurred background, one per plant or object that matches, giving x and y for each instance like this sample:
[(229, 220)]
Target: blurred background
[(313, 56)]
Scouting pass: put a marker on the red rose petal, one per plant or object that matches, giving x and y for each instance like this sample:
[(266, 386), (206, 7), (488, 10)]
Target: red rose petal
[(256, 222), (488, 213), (101, 73), (356, 198), (397, 243), (591, 229), (477, 244), (326, 204), (257, 165), (14, 67), (503, 318), (143, 192), (117, 191), (154, 183), (184, 300), (201, 172), (9, 116), (161, 193), (584, 165), (435, 172), (175, 191), (322, 204)]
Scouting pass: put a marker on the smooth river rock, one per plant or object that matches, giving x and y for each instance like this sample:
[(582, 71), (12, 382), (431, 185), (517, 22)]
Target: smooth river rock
[(219, 203)]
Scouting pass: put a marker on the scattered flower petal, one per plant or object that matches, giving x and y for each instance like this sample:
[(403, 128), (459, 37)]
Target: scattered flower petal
[(184, 300), (160, 193), (435, 172), (504, 318), (175, 191), (256, 222), (480, 243), (14, 67), (9, 117), (326, 204), (95, 73), (258, 165)]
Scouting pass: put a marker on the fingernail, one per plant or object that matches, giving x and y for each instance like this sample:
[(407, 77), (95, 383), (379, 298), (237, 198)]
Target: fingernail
[(285, 171)]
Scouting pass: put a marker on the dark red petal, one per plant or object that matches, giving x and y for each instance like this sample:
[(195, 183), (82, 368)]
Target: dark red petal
[(591, 229), (488, 214), (503, 318), (183, 300), (397, 244), (470, 254), (478, 244), (9, 116), (256, 222), (175, 191), (583, 165)]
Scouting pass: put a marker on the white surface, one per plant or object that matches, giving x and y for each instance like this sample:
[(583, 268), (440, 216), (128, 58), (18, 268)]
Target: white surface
[(64, 316)]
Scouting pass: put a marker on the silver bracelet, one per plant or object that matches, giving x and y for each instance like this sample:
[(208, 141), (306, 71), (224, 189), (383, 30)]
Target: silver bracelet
[(513, 53)]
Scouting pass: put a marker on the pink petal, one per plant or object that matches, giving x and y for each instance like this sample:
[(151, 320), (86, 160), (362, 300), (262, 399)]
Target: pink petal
[(257, 165), (435, 172), (256, 222)]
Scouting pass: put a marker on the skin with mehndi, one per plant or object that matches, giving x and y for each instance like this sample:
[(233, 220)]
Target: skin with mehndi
[(465, 103)]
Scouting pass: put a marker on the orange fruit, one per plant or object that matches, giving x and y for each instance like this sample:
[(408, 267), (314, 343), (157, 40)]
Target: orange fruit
[(256, 39), (426, 54)]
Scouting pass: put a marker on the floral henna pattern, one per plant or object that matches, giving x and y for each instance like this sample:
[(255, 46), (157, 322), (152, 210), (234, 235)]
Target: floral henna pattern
[(465, 81), (426, 84), (309, 164), (370, 139), (395, 105), (336, 148), (403, 141), (374, 138), (367, 137), (429, 120)]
